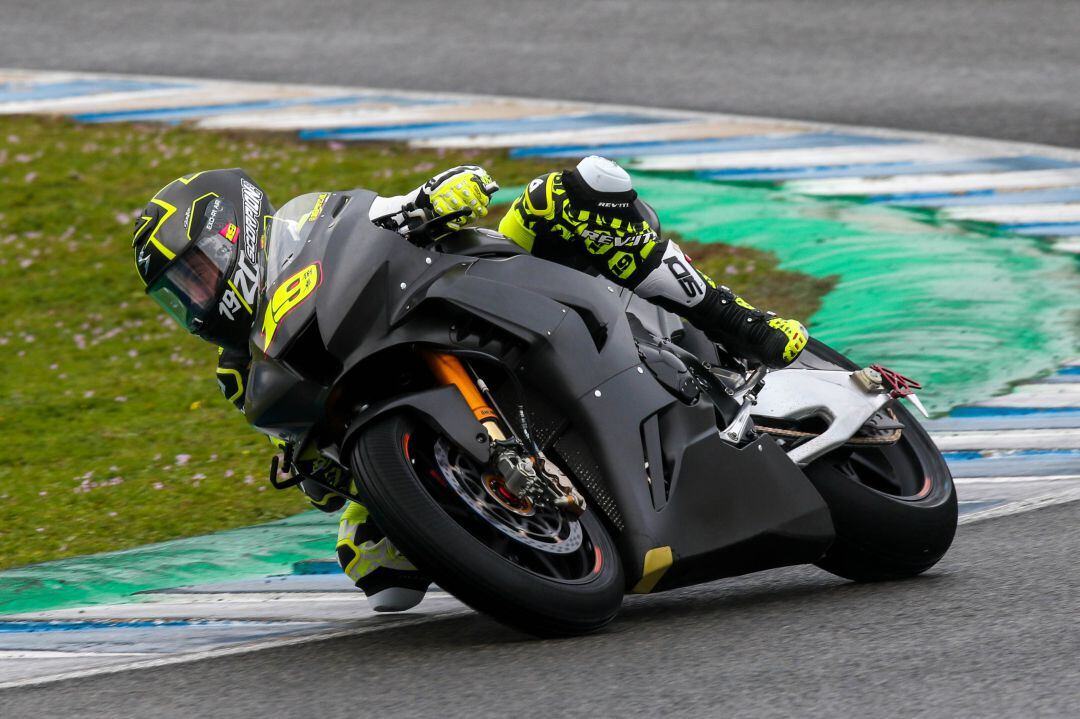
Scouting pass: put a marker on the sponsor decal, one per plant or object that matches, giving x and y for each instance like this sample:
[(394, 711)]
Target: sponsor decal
[(613, 204), (288, 295), (245, 279), (253, 198), (602, 239), (144, 259), (211, 215), (317, 209), (685, 276)]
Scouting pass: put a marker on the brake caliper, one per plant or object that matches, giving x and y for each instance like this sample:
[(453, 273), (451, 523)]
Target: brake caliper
[(536, 478)]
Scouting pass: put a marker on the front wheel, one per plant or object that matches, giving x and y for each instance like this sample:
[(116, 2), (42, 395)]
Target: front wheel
[(531, 567)]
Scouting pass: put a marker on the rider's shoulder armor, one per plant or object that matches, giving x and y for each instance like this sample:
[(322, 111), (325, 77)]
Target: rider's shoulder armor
[(539, 197)]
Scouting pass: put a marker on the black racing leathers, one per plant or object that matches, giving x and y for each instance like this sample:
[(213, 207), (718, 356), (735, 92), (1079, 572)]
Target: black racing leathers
[(630, 251)]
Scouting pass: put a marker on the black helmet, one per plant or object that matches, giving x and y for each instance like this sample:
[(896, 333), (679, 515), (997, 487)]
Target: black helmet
[(197, 247)]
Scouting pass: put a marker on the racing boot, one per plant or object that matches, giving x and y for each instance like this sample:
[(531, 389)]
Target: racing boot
[(318, 474), (748, 332), (390, 581)]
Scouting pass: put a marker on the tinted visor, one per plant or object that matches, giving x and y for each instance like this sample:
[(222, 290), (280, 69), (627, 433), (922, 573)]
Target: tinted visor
[(191, 285)]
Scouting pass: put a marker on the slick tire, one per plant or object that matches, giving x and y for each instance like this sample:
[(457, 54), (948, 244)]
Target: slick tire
[(882, 535), (441, 547)]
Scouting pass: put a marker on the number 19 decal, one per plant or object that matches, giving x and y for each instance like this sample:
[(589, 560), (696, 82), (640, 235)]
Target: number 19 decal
[(287, 296)]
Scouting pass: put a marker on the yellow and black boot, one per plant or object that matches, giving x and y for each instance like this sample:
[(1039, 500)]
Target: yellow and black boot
[(390, 581), (746, 331)]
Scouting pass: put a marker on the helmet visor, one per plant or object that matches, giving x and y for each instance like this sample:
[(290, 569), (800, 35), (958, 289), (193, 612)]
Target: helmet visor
[(190, 286)]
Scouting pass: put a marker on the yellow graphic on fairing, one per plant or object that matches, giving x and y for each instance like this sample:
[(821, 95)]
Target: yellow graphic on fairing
[(287, 296)]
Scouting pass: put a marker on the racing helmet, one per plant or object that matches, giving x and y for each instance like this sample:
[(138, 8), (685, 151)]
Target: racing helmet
[(602, 187), (197, 245)]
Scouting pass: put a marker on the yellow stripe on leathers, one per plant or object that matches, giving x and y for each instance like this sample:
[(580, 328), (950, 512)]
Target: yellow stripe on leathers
[(657, 561)]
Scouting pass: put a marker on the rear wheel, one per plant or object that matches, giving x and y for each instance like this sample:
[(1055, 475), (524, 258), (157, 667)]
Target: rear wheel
[(894, 506), (534, 568)]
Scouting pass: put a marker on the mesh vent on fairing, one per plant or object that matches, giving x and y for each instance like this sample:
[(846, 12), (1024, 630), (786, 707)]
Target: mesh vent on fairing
[(572, 453), (569, 451)]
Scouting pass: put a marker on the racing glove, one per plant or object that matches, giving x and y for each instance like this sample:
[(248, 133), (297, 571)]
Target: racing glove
[(459, 188)]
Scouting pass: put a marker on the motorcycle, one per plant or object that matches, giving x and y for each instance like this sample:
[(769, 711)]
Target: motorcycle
[(539, 442)]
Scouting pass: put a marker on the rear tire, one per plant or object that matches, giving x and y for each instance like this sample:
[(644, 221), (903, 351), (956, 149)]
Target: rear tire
[(396, 463), (894, 507)]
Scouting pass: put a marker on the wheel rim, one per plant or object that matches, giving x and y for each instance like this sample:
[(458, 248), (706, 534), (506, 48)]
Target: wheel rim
[(541, 540), (541, 528), (898, 470)]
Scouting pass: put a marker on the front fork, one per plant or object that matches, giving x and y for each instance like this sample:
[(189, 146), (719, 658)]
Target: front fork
[(523, 475), (448, 369)]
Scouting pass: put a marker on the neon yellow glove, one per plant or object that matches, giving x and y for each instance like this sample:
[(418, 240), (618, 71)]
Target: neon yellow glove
[(465, 187)]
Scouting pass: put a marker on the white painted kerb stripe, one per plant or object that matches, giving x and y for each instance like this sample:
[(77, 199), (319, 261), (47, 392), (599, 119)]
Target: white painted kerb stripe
[(938, 183), (54, 654), (1008, 439), (1026, 505), (808, 157), (1016, 480), (390, 623), (1015, 214)]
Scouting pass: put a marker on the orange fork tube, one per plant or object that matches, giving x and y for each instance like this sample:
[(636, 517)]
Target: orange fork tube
[(449, 370)]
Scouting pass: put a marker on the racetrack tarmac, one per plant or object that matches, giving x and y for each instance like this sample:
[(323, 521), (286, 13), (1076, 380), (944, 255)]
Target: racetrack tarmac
[(994, 68), (993, 631)]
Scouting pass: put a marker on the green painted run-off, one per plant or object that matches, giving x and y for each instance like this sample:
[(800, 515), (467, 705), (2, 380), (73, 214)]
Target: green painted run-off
[(966, 313), (258, 551)]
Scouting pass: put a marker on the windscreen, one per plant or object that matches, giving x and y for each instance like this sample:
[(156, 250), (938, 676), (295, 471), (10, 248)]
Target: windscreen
[(289, 230)]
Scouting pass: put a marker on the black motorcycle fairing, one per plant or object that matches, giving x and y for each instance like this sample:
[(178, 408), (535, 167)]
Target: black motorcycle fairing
[(478, 242), (444, 409), (727, 510), (720, 496)]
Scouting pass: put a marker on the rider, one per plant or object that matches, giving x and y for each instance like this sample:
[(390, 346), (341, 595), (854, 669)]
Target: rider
[(591, 218), (197, 246)]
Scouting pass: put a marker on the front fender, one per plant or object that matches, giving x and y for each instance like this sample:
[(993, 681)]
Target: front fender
[(443, 409)]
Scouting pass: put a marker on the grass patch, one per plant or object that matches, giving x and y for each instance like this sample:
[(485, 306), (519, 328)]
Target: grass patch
[(113, 431)]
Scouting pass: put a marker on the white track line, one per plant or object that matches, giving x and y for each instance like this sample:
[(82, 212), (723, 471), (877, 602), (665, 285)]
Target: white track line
[(391, 623), (1025, 505), (1008, 439), (806, 157), (1017, 480), (1045, 396), (1016, 214), (89, 103), (56, 654), (1067, 244), (938, 183), (376, 114), (659, 131)]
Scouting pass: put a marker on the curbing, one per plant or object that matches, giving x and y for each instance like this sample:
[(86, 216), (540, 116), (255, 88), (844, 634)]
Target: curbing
[(989, 174)]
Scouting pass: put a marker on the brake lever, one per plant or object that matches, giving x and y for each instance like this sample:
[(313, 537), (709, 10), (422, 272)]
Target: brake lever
[(424, 227)]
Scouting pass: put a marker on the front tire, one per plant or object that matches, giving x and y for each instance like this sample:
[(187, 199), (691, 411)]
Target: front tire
[(558, 580)]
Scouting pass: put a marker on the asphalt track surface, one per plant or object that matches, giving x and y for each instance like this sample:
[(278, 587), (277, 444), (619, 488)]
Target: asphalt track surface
[(994, 630), (995, 68)]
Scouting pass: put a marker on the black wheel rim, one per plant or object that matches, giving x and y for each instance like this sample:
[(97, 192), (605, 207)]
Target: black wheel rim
[(898, 470), (545, 542)]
